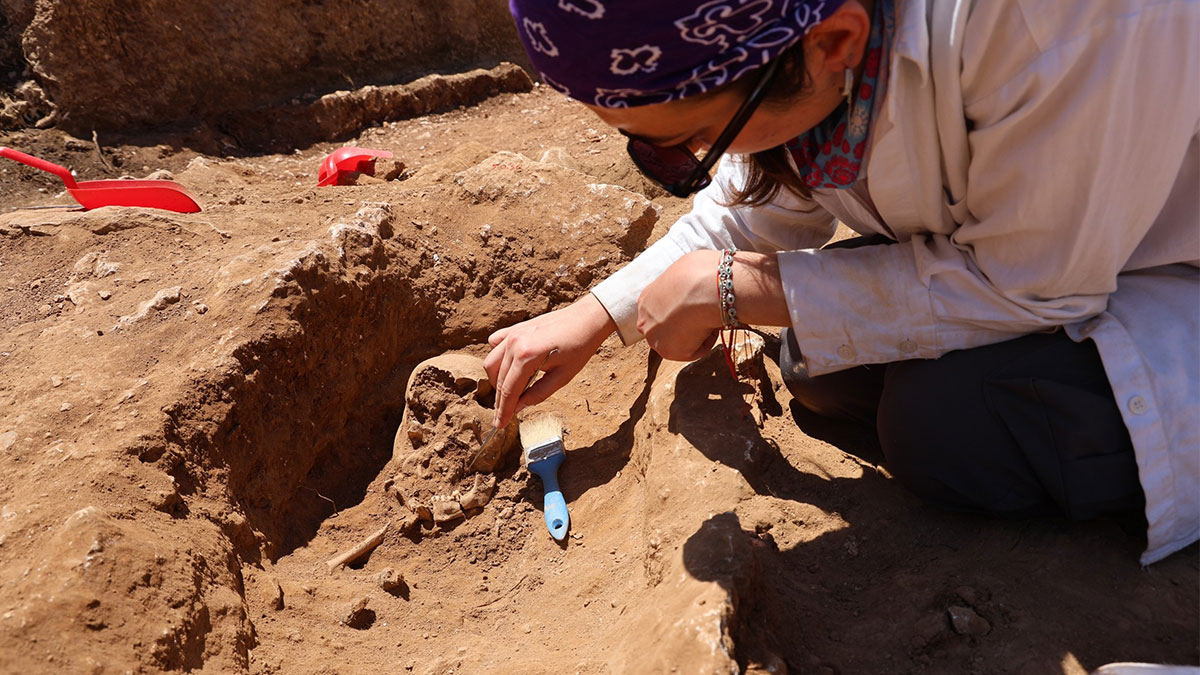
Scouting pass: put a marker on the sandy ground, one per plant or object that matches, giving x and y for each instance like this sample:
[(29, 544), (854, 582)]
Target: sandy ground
[(197, 411)]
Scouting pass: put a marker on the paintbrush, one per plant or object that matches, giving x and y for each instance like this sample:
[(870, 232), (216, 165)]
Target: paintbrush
[(543, 452)]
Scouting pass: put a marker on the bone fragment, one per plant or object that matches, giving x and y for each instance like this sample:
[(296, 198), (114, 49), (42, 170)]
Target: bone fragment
[(362, 548)]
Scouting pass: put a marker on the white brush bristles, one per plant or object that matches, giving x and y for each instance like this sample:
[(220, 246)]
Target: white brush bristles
[(539, 431)]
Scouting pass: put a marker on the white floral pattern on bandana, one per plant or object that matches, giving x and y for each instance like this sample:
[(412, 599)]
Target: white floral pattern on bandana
[(620, 98), (621, 53), (629, 61), (538, 39), (556, 86), (591, 9), (713, 22)]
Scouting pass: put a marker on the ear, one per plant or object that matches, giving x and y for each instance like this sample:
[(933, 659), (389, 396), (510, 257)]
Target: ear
[(840, 41)]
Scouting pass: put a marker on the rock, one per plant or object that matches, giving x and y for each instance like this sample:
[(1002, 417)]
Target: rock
[(389, 580), (161, 174), (56, 381), (748, 354), (966, 622), (353, 614), (559, 155), (165, 298), (390, 169), (272, 593), (78, 293), (94, 264), (104, 295), (161, 300), (7, 439)]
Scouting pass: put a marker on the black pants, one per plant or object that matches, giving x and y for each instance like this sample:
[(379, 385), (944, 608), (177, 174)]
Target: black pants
[(1021, 427)]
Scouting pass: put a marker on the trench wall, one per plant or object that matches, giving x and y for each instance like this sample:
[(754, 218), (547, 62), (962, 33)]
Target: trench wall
[(111, 65)]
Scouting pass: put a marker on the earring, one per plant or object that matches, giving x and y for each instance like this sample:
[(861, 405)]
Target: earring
[(848, 87)]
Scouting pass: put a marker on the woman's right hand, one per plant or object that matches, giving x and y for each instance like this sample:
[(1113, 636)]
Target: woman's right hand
[(559, 343)]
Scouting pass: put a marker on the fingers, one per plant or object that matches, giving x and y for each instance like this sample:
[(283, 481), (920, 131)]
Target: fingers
[(515, 377), (504, 384), (496, 338)]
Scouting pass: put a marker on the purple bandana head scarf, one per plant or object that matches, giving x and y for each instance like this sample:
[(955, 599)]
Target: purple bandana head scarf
[(622, 53)]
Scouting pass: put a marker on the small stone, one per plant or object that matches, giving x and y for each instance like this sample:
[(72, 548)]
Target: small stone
[(165, 297), (273, 593), (56, 381), (389, 579), (967, 594), (104, 295), (352, 613), (390, 169), (65, 407), (967, 622), (201, 308)]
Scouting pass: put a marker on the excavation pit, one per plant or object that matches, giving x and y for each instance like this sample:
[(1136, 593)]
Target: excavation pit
[(177, 479)]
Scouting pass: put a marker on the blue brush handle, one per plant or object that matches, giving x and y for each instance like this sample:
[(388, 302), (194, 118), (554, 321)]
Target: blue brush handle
[(555, 509)]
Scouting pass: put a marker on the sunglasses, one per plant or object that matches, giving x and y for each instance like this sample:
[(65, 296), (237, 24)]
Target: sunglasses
[(675, 167)]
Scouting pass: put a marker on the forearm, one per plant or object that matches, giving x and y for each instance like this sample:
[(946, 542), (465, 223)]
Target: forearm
[(758, 290)]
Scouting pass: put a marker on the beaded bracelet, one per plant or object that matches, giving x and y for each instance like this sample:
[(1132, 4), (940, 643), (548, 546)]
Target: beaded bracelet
[(729, 317)]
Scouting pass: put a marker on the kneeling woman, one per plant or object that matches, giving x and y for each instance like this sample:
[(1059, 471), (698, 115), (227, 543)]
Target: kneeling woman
[(1019, 319)]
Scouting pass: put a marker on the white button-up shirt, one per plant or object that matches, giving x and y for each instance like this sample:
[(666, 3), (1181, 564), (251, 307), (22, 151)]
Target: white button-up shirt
[(1038, 162)]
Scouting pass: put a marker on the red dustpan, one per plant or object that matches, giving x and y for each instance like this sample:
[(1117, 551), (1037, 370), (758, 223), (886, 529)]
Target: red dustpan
[(92, 194), (344, 160)]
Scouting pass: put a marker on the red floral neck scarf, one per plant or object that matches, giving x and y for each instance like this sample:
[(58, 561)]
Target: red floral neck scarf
[(830, 154)]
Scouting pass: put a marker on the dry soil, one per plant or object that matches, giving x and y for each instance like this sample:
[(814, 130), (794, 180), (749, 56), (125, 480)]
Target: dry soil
[(198, 411)]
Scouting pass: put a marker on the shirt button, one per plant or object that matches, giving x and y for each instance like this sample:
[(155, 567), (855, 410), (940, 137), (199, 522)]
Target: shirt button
[(1138, 405), (908, 347), (846, 352)]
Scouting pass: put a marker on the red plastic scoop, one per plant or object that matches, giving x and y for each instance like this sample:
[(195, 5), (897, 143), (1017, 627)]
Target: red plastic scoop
[(92, 194), (344, 160)]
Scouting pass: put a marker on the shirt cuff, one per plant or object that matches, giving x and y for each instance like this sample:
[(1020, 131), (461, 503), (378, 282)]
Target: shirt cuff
[(852, 307), (619, 293)]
